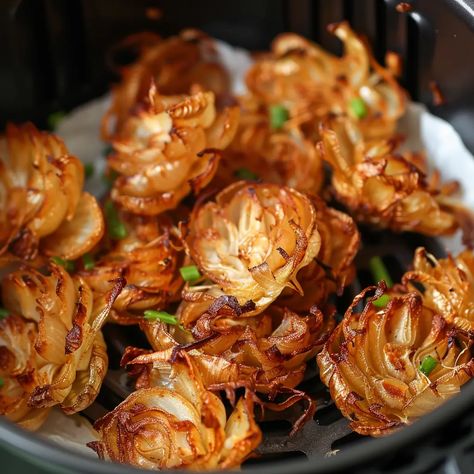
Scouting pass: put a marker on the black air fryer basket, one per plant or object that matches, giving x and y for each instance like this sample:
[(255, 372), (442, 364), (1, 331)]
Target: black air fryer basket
[(53, 57)]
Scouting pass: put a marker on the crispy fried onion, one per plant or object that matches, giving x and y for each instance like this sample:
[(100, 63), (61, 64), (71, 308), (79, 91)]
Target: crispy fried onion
[(268, 351), (51, 348), (167, 149), (174, 64), (374, 363), (333, 269), (250, 242), (283, 157), (311, 83), (386, 189), (178, 424), (43, 206), (447, 285), (148, 258)]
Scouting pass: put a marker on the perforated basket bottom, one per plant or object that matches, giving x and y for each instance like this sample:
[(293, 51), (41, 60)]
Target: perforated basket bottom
[(328, 432)]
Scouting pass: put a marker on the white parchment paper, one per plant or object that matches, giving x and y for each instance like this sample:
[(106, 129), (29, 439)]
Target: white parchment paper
[(81, 132)]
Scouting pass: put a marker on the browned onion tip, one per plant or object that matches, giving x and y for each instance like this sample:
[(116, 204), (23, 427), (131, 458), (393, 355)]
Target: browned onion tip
[(448, 286), (178, 424), (174, 64), (149, 259), (168, 148), (52, 352), (43, 206), (251, 241), (386, 367), (388, 189)]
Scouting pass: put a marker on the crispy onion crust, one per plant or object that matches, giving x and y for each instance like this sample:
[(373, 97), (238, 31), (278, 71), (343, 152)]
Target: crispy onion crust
[(250, 242), (178, 424), (448, 285), (174, 64), (372, 362), (268, 351), (312, 83), (51, 348), (283, 157), (167, 149), (148, 258), (43, 206), (386, 189)]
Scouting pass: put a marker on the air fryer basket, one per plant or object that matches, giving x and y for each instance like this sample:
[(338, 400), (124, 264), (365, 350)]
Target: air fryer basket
[(54, 58)]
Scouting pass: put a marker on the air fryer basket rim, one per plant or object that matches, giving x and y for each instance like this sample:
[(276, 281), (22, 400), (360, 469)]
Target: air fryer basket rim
[(44, 451)]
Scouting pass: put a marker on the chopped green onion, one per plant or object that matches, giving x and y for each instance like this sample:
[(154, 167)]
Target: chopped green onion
[(55, 118), (115, 227), (244, 173), (89, 170), (163, 316), (2, 383), (107, 150), (379, 271), (278, 116), (109, 177), (4, 313), (88, 261), (68, 265), (428, 364), (358, 108), (190, 273), (382, 301)]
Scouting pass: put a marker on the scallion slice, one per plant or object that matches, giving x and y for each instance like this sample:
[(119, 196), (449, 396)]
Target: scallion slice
[(89, 170), (115, 227), (190, 273), (428, 364), (68, 265), (278, 116), (382, 301), (4, 313), (163, 316), (358, 107), (88, 261), (379, 271), (244, 173)]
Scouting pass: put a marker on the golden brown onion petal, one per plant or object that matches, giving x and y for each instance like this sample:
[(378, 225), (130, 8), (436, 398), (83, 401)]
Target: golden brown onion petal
[(177, 424), (386, 189), (448, 285), (372, 363), (168, 149), (251, 241)]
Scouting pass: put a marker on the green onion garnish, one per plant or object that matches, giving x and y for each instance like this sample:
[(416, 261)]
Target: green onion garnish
[(54, 119), (278, 116), (109, 177), (382, 301), (89, 170), (428, 364), (88, 261), (379, 271), (244, 173), (68, 265), (2, 383), (358, 107), (190, 273), (163, 316), (4, 313), (115, 226), (107, 150)]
